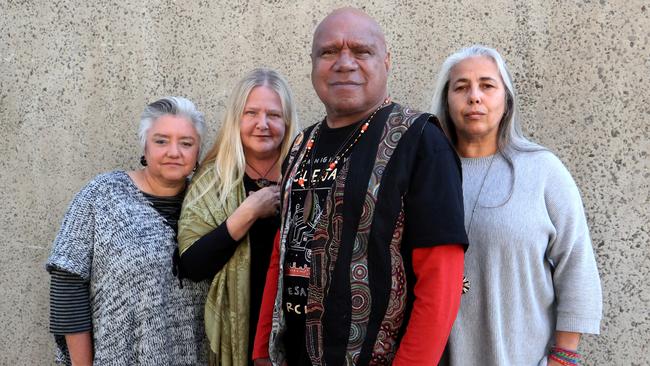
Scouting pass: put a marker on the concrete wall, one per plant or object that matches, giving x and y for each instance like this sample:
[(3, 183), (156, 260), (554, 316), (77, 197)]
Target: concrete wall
[(74, 77)]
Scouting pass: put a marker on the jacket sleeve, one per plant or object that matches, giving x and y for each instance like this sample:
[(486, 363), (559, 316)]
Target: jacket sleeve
[(208, 254)]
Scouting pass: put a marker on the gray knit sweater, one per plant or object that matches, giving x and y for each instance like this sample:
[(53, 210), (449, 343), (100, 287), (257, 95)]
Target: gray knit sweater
[(530, 262), (114, 239)]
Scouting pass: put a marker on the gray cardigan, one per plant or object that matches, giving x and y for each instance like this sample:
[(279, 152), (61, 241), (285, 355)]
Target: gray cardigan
[(113, 238), (530, 262)]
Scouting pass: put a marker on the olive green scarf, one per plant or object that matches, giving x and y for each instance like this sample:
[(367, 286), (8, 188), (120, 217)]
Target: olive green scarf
[(227, 304)]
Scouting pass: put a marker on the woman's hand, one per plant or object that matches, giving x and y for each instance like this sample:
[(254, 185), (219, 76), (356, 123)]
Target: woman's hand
[(260, 204), (265, 202)]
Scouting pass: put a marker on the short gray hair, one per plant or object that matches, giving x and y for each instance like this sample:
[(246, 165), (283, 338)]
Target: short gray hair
[(509, 132), (175, 106)]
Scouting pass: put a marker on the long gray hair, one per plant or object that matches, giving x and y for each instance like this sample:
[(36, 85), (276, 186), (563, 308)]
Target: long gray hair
[(509, 132), (509, 135), (175, 106)]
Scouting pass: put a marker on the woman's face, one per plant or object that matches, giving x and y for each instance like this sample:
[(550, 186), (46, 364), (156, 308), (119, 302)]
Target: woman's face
[(262, 124), (476, 99), (172, 148)]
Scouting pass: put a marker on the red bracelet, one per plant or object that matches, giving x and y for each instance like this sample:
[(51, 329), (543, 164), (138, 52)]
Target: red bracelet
[(568, 352), (564, 356), (560, 361)]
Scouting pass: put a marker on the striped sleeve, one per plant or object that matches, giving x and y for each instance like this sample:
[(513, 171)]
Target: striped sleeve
[(69, 303)]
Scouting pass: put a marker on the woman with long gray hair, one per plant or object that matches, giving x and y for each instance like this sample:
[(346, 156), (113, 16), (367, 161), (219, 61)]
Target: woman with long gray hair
[(230, 215), (534, 283), (114, 299)]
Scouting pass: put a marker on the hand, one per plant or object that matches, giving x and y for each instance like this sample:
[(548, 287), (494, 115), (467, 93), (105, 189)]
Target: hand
[(260, 204), (553, 363), (264, 202)]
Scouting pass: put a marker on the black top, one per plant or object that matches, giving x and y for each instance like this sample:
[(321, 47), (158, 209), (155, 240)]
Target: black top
[(297, 262), (421, 181), (168, 207), (210, 253)]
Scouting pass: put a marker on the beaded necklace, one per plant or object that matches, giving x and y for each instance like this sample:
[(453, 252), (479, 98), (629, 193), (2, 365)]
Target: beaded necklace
[(345, 147)]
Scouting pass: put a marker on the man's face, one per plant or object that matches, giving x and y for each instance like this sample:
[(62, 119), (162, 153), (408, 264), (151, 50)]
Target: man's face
[(349, 65)]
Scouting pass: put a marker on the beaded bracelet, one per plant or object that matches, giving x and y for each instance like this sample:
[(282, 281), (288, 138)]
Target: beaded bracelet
[(564, 356)]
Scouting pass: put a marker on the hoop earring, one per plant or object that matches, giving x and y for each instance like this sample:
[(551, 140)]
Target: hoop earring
[(196, 167), (143, 161)]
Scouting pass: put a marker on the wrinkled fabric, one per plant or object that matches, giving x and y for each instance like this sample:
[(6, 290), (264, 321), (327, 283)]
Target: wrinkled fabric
[(358, 297), (113, 238), (227, 303)]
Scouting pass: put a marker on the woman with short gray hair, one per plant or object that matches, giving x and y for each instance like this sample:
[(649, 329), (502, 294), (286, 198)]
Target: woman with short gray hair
[(114, 298), (534, 283)]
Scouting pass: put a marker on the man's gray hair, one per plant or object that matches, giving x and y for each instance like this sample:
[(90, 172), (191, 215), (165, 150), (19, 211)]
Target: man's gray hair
[(175, 106)]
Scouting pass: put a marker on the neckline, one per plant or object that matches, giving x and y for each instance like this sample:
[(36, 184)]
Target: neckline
[(327, 129), (135, 186), (177, 197), (140, 195), (480, 161)]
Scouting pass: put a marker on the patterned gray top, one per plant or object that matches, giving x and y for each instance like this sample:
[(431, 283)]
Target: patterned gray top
[(113, 238)]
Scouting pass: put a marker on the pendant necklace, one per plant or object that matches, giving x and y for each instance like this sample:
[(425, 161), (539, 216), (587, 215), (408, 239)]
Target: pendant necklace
[(466, 283), (262, 181), (478, 198)]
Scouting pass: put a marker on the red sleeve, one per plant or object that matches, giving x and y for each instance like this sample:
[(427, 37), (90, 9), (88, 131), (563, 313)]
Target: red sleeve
[(439, 280), (263, 331)]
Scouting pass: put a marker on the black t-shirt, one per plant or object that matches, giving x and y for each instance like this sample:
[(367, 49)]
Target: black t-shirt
[(297, 261), (432, 206)]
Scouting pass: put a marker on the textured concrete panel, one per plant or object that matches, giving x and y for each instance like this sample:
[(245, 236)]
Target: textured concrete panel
[(75, 75)]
